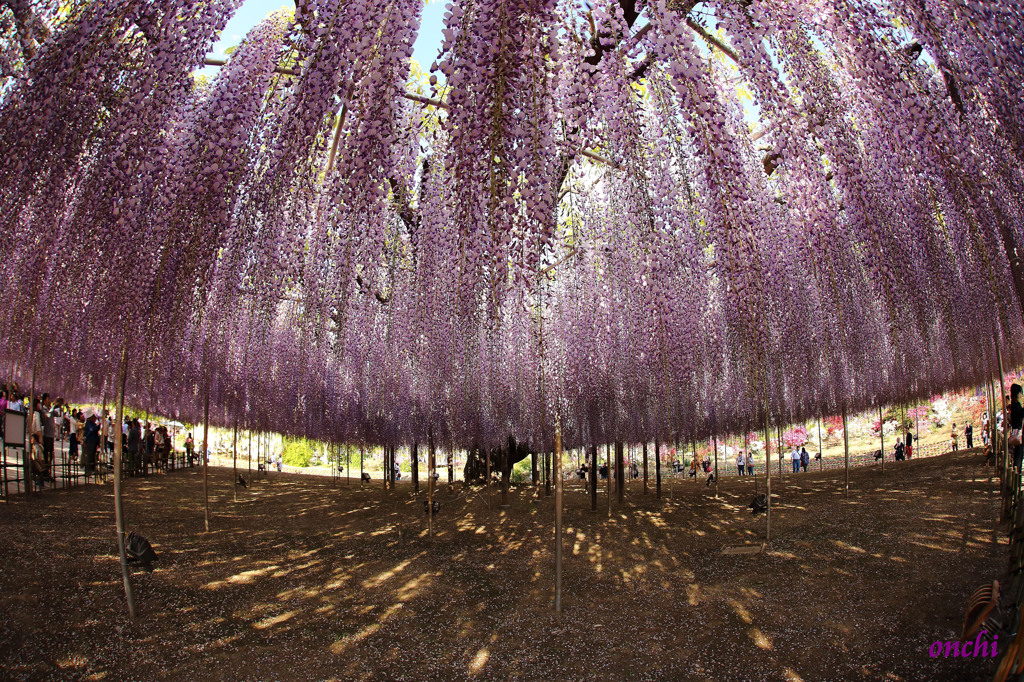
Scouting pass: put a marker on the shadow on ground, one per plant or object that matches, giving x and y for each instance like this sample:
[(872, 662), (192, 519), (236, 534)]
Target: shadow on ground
[(302, 580)]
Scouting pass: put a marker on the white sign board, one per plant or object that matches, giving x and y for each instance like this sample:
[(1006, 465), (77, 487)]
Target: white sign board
[(14, 428)]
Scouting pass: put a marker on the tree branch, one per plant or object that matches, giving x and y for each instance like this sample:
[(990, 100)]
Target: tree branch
[(713, 41)]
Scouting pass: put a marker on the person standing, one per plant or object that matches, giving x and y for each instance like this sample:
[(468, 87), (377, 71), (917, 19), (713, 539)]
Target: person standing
[(49, 428), (134, 446), (190, 450), (148, 445), (899, 450), (36, 422), (805, 458), (969, 435), (750, 464), (73, 429), (795, 459), (740, 462), (158, 448), (954, 439), (110, 438), (40, 470), (1016, 424), (909, 444), (90, 442)]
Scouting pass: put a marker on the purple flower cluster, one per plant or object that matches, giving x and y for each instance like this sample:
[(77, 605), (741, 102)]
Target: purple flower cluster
[(635, 221)]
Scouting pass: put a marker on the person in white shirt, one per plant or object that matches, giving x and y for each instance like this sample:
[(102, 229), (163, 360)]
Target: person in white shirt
[(740, 462), (73, 437), (37, 421), (795, 457)]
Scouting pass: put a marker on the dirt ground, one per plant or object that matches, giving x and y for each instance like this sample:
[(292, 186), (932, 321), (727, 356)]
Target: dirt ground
[(302, 580)]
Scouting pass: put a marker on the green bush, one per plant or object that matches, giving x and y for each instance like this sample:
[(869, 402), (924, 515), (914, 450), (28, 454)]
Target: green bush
[(521, 472), (297, 452)]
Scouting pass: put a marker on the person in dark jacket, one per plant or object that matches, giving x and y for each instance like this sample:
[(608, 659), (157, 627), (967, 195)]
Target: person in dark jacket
[(1016, 424), (134, 446), (90, 443)]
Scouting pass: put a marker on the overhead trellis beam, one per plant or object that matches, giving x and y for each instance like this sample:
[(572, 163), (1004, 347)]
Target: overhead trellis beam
[(412, 96), (213, 61), (713, 41)]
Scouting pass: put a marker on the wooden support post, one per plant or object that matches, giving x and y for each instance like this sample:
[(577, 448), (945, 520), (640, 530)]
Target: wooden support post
[(547, 470), (430, 481), (1006, 434), (558, 517), (504, 458), (414, 466), (592, 474), (118, 506), (234, 462), (534, 473), (206, 450), (248, 453), (30, 417), (746, 447), (657, 469), (995, 426), (767, 478), (451, 466), (846, 453), (990, 397), (386, 454), (716, 465), (103, 429), (620, 473), (362, 456), (780, 453), (881, 434), (645, 466), (348, 469), (608, 466), (821, 456)]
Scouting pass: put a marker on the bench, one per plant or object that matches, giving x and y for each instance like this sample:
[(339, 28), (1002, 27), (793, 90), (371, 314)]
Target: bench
[(979, 609)]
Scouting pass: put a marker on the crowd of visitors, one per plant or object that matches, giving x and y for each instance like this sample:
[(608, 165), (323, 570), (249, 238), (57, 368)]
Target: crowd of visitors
[(149, 446), (89, 437)]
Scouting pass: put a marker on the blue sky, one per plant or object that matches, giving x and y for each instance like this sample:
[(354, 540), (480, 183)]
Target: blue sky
[(252, 11)]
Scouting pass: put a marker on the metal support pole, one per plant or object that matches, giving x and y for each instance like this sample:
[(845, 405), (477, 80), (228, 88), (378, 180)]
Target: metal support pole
[(645, 466), (881, 434), (716, 465), (846, 452), (118, 508), (206, 450), (430, 481), (234, 462), (767, 477), (657, 469), (558, 517)]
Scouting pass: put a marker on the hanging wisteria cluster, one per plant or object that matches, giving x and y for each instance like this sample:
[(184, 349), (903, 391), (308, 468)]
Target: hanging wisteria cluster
[(632, 220)]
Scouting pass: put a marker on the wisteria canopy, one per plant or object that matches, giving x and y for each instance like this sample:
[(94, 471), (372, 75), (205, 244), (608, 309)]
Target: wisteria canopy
[(633, 220)]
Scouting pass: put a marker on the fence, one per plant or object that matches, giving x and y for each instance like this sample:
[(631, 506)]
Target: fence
[(728, 467)]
